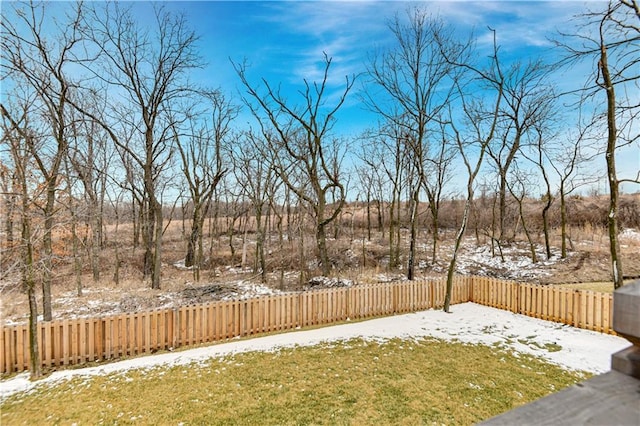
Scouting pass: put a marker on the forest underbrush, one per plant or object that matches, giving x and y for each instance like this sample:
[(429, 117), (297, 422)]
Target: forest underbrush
[(229, 270)]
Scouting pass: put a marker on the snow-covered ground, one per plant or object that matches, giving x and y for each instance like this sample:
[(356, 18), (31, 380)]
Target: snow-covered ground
[(514, 264), (566, 346)]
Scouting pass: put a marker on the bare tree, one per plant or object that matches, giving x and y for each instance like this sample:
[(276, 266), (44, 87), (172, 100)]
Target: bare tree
[(540, 157), (517, 184), (367, 179), (482, 123), (568, 161), (609, 38), (527, 103), (15, 132), (149, 66), (200, 149), (412, 84), (90, 157), (438, 175), (74, 207), (300, 135), (387, 152), (10, 201), (29, 58), (257, 178)]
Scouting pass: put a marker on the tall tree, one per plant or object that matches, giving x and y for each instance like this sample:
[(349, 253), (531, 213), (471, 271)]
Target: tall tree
[(385, 152), (527, 103), (411, 86), (539, 157), (30, 58), (609, 38), (200, 147), (90, 157), (300, 135), (257, 178), (15, 132), (148, 66), (481, 121)]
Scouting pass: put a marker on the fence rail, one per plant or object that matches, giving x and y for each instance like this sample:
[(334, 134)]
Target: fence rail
[(585, 309), (82, 340)]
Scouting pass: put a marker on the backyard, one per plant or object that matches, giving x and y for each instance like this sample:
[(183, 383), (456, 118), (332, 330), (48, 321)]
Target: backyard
[(426, 367)]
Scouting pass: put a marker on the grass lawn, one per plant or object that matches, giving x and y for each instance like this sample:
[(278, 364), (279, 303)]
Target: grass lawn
[(355, 382)]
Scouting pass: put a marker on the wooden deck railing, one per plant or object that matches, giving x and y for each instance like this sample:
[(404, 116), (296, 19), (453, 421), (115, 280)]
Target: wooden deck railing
[(82, 340)]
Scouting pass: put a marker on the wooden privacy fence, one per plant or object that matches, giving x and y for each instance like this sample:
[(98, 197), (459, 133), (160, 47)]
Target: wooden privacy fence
[(77, 341), (82, 340), (585, 309)]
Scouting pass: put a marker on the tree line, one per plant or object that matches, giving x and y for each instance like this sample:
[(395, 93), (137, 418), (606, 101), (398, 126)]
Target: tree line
[(100, 112)]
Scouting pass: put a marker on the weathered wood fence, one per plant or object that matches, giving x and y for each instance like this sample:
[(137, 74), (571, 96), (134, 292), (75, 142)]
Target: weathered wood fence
[(82, 340)]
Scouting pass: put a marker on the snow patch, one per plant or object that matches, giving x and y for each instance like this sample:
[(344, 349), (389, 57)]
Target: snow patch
[(630, 234), (326, 282), (514, 264)]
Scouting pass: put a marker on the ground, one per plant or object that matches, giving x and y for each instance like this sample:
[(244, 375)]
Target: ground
[(588, 262)]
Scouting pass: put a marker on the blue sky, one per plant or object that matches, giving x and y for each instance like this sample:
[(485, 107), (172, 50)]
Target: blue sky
[(283, 42)]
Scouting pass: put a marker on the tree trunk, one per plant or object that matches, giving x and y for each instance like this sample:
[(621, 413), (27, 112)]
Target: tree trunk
[(29, 284), (321, 231), (157, 253), (77, 263), (34, 353), (454, 258), (532, 246), (301, 256), (10, 201), (195, 236), (48, 250), (192, 241), (96, 243), (545, 226), (116, 271), (398, 229), (614, 244), (280, 245), (380, 218), (136, 218), (502, 210), (393, 261), (368, 217), (563, 223), (261, 263), (436, 229), (321, 238), (415, 200)]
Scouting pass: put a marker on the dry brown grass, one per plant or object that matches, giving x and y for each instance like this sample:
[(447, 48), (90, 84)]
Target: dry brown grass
[(354, 257)]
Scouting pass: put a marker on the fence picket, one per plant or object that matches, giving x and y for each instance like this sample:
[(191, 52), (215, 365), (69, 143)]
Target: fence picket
[(69, 342)]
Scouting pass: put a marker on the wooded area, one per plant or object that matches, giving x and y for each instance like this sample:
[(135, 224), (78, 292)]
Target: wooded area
[(104, 134)]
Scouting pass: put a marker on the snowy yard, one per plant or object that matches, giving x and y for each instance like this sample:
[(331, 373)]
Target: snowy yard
[(568, 347)]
